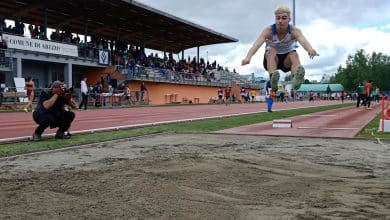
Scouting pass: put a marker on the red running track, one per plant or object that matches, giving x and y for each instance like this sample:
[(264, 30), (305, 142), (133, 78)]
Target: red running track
[(19, 125)]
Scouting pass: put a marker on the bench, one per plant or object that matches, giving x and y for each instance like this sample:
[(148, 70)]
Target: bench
[(11, 100), (6, 96)]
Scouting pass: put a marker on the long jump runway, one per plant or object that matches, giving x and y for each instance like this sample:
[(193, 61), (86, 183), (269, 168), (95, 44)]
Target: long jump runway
[(20, 125), (342, 123)]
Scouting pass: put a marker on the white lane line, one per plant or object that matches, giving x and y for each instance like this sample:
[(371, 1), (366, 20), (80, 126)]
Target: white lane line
[(319, 115), (324, 128)]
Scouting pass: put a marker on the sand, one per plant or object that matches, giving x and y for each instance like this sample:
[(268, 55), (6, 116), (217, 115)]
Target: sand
[(201, 176)]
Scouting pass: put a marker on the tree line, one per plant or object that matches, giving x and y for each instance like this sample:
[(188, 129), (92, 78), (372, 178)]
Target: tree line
[(362, 67)]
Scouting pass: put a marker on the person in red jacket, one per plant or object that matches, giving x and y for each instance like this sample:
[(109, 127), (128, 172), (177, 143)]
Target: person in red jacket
[(367, 93)]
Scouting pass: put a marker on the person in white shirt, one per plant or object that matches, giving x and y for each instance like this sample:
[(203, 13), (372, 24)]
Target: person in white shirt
[(84, 93)]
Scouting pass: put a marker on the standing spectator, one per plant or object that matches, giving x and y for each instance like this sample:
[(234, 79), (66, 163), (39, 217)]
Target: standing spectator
[(143, 89), (367, 93), (248, 97), (220, 95), (253, 95), (29, 87), (109, 82), (311, 96), (360, 95), (377, 95), (228, 95), (102, 81), (98, 90), (84, 93), (121, 93), (243, 95), (127, 93), (292, 95), (342, 96)]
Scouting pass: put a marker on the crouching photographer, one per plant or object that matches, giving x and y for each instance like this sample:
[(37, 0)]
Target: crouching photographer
[(50, 111)]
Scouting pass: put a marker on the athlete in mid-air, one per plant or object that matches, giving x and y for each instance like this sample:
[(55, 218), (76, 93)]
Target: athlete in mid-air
[(280, 53)]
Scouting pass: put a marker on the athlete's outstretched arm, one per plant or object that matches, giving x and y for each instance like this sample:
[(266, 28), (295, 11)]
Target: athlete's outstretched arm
[(256, 45), (305, 43)]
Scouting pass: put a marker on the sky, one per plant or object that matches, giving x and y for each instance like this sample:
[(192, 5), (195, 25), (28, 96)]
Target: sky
[(334, 28)]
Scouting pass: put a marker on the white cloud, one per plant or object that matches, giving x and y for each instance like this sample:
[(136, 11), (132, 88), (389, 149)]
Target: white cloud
[(334, 28)]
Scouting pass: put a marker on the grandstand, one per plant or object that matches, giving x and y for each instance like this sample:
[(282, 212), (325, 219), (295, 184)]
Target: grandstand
[(85, 43)]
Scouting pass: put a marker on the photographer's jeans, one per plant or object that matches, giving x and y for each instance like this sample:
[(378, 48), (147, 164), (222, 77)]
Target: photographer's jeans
[(46, 120)]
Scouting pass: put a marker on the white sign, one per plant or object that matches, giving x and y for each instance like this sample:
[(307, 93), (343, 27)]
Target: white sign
[(20, 83), (22, 43), (103, 57)]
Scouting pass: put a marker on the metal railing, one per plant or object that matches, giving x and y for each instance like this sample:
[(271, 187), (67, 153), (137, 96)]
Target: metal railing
[(13, 97), (164, 75), (6, 63), (220, 78)]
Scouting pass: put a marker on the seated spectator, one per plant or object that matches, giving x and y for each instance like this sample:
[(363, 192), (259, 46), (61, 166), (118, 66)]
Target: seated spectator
[(197, 74)]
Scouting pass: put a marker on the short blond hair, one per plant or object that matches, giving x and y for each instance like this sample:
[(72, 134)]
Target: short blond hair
[(283, 9)]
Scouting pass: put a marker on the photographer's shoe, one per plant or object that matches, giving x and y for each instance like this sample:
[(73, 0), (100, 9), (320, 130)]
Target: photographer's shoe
[(299, 77), (61, 135), (36, 137), (274, 80), (67, 133)]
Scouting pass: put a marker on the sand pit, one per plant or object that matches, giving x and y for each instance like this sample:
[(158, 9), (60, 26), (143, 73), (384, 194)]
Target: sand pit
[(201, 176)]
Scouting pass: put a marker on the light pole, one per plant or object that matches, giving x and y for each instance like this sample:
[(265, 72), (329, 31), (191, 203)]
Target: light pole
[(294, 12)]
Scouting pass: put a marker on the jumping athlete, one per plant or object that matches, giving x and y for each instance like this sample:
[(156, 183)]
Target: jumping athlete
[(280, 52)]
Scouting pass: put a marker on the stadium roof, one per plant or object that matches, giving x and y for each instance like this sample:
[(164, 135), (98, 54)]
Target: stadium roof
[(128, 20), (321, 87)]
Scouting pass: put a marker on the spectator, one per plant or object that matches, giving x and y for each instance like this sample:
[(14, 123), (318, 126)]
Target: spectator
[(253, 94), (243, 94), (143, 89), (97, 91), (311, 96), (84, 93), (367, 93), (228, 95), (29, 87), (220, 95)]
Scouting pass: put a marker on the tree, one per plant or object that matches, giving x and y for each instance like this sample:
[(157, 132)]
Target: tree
[(362, 67), (325, 78)]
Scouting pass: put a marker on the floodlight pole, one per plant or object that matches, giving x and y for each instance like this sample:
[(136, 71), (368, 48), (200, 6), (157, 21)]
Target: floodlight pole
[(294, 12)]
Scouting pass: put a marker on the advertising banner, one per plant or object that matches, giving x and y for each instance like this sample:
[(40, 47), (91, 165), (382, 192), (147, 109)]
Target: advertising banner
[(43, 46)]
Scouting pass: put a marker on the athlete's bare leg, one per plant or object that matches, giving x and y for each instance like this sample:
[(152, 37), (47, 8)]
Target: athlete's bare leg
[(298, 72), (272, 61)]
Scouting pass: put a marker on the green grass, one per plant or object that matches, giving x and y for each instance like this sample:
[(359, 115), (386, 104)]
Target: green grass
[(193, 126), (371, 130)]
